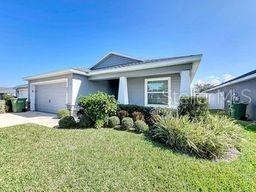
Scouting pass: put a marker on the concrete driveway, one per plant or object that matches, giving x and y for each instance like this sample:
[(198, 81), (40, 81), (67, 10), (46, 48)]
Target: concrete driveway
[(45, 119)]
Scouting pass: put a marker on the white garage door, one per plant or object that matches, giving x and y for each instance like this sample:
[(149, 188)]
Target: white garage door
[(50, 97)]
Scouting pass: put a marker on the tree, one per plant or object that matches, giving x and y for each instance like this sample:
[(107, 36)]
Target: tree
[(200, 87)]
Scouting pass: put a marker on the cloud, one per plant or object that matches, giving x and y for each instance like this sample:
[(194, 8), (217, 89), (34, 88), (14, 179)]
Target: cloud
[(215, 80), (227, 77)]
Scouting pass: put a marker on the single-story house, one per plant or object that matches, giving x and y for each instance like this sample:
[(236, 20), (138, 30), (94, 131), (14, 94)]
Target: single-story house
[(155, 82), (21, 91), (241, 89), (6, 90)]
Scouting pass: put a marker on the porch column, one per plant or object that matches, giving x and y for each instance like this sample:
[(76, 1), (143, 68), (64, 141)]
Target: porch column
[(123, 91), (185, 83), (32, 96)]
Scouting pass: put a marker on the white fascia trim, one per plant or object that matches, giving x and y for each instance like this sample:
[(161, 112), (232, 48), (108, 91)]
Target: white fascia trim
[(195, 60), (146, 92), (233, 82), (56, 73), (63, 80), (147, 66), (126, 56)]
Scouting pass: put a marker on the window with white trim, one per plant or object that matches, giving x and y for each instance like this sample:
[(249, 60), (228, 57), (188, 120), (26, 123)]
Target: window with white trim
[(157, 91)]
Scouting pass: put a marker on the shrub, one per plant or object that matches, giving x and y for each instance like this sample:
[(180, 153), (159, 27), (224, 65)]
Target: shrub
[(67, 122), (163, 111), (99, 123), (154, 119), (2, 106), (193, 107), (157, 113), (131, 108), (140, 126), (63, 113), (136, 115), (122, 113), (7, 97), (210, 137), (127, 123), (99, 105), (113, 121), (85, 121)]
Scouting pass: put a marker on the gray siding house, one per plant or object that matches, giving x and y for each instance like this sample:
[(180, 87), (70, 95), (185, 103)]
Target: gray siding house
[(243, 88), (155, 82)]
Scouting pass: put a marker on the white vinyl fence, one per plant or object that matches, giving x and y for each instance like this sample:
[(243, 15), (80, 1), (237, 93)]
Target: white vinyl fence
[(215, 100)]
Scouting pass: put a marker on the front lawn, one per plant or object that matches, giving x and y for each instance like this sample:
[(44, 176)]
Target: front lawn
[(36, 158)]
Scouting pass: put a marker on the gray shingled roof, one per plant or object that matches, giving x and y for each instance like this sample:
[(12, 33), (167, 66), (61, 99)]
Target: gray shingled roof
[(145, 62)]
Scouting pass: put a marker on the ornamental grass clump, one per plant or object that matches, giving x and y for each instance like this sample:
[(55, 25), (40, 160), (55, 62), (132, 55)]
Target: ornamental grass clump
[(211, 137)]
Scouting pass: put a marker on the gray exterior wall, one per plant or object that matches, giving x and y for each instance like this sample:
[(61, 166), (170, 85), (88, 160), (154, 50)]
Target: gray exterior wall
[(246, 91), (136, 88), (135, 81), (88, 86), (113, 60)]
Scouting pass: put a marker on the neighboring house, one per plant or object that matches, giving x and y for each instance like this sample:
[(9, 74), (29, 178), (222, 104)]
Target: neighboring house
[(21, 91), (243, 88), (156, 82), (7, 90)]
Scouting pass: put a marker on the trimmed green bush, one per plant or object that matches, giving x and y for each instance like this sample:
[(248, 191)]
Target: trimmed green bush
[(85, 121), (210, 137), (127, 123), (140, 126), (113, 121), (122, 113), (63, 113), (193, 107), (136, 115), (99, 105), (67, 122)]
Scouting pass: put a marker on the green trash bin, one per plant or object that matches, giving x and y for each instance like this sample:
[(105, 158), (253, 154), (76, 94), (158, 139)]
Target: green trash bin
[(23, 100), (238, 111), (18, 105)]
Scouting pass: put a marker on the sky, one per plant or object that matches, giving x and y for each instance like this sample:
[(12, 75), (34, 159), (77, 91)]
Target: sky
[(42, 36)]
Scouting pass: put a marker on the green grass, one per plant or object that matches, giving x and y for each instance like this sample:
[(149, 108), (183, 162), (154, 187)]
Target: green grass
[(36, 158)]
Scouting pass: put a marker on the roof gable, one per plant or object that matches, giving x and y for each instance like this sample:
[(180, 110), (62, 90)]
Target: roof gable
[(114, 59), (241, 78)]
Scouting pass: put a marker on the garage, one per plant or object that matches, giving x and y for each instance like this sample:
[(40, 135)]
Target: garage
[(50, 97)]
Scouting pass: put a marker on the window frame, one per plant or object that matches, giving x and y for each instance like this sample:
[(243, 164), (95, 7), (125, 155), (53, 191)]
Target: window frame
[(168, 79)]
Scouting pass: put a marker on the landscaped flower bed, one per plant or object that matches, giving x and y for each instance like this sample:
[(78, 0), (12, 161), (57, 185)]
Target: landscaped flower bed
[(190, 129)]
